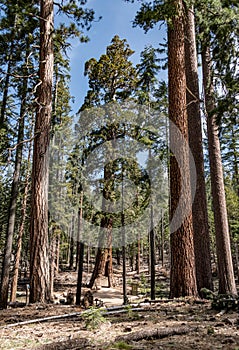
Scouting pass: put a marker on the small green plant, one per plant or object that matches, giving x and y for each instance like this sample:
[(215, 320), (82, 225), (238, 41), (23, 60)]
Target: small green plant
[(122, 345), (128, 307), (131, 313), (93, 317), (210, 330)]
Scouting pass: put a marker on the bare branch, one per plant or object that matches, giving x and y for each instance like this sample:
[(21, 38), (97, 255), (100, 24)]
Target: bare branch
[(18, 76)]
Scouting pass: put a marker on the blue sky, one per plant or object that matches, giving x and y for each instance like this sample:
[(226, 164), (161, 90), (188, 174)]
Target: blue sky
[(117, 18)]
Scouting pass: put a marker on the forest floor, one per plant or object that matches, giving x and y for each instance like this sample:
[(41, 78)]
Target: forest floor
[(168, 324)]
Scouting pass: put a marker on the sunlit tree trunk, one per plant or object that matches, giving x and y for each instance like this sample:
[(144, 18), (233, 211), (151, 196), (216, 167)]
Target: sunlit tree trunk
[(103, 262), (224, 259), (99, 267), (39, 249), (183, 276), (199, 209)]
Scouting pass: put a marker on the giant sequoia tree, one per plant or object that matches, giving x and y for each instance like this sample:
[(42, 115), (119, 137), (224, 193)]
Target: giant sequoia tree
[(111, 78)]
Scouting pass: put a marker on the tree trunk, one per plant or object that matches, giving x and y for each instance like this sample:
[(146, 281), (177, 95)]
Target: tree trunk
[(103, 262), (77, 254), (58, 243), (80, 253), (21, 231), (118, 256), (152, 264), (224, 259), (152, 244), (80, 273), (162, 239), (199, 208), (71, 260), (52, 261), (183, 277), (109, 268), (131, 255), (138, 255), (99, 268), (39, 250)]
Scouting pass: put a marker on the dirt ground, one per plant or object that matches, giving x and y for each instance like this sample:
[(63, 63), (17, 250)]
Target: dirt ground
[(179, 324)]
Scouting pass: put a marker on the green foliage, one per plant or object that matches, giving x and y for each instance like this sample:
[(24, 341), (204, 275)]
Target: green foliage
[(143, 283), (132, 315), (210, 330), (225, 302), (112, 77), (207, 294), (147, 71), (129, 310), (229, 137), (151, 13), (122, 345), (18, 35), (232, 200), (19, 58), (76, 11), (217, 26), (3, 145), (93, 317), (5, 187)]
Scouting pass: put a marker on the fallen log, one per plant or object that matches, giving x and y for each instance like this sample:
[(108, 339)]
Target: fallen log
[(156, 333), (73, 344), (43, 319), (175, 300), (155, 301), (105, 311)]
